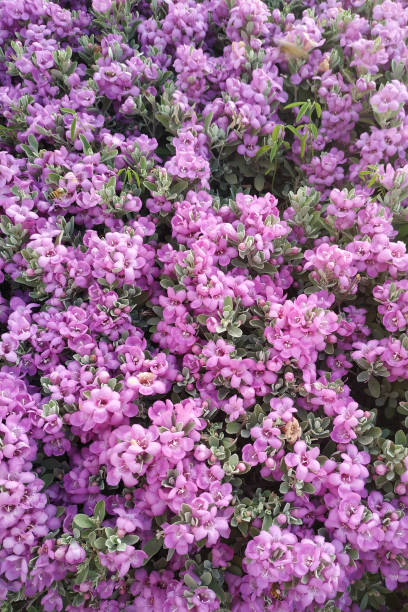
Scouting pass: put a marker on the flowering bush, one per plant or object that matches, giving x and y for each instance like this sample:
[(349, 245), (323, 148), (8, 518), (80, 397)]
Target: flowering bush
[(204, 305)]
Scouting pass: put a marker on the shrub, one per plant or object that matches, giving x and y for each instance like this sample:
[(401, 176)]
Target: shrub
[(203, 309)]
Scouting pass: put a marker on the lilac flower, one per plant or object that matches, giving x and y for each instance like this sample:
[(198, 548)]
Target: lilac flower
[(101, 6), (304, 461), (178, 537), (52, 601), (75, 554)]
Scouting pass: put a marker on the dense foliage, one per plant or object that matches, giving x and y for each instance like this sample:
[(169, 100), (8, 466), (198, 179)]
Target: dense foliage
[(204, 305)]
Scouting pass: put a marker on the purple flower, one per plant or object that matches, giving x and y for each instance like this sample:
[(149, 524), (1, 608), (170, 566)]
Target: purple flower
[(101, 6), (178, 537), (52, 602), (75, 554), (304, 461)]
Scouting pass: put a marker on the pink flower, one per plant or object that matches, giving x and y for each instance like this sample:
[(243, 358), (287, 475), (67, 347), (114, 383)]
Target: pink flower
[(75, 554), (146, 383), (304, 461), (101, 6), (178, 537)]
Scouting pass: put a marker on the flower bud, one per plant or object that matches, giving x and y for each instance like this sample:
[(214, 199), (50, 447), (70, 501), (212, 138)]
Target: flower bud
[(380, 469), (201, 452), (75, 554)]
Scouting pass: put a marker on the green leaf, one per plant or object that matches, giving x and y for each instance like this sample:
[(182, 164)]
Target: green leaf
[(400, 438), (85, 145), (228, 442), (166, 282), (228, 303), (73, 128), (112, 383), (53, 178), (262, 150), (150, 186), (363, 376), (403, 408), (267, 522), (277, 132), (69, 111), (220, 593), (259, 182), (32, 141), (27, 150), (152, 547), (131, 539), (366, 441), (190, 582), (235, 332), (47, 479), (374, 387), (308, 487), (231, 179), (238, 263), (207, 121), (189, 427), (293, 105), (179, 187), (100, 543), (234, 427), (206, 578), (235, 569), (222, 394), (84, 521), (82, 573), (303, 110), (363, 363), (233, 461), (294, 130), (240, 231), (243, 528), (303, 146), (100, 511)]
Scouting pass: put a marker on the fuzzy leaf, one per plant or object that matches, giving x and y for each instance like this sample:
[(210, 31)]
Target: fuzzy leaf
[(374, 387), (99, 511), (84, 521), (152, 547)]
